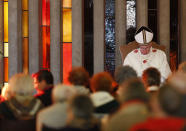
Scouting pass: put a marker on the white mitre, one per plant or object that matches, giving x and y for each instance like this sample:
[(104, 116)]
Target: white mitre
[(144, 35)]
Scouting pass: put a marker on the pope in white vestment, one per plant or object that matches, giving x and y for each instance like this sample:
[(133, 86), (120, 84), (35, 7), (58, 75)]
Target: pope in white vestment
[(146, 56)]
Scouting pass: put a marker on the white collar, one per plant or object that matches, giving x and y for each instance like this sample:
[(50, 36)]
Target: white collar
[(101, 97), (152, 88)]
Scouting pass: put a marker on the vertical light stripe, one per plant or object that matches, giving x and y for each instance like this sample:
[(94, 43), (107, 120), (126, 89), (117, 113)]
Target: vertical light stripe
[(55, 39), (5, 49), (98, 35), (25, 24), (5, 21), (142, 13), (25, 42), (33, 36), (77, 33), (120, 28), (67, 38), (5, 61), (67, 25), (182, 10), (1, 43), (164, 24), (15, 37)]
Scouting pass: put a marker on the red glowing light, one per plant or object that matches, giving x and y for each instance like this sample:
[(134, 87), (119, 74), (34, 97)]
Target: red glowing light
[(46, 46), (67, 61), (46, 33), (46, 12)]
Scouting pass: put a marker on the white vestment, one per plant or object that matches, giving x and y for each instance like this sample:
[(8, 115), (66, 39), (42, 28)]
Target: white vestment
[(155, 58)]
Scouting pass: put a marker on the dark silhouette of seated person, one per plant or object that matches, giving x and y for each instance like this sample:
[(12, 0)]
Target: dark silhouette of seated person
[(44, 84)]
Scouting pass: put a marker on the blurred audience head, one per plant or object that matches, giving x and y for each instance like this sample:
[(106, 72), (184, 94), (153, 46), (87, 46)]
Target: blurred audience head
[(21, 84), (178, 80), (61, 93), (169, 99), (101, 82), (80, 107), (182, 67), (124, 73), (79, 76), (151, 78), (43, 79), (133, 89)]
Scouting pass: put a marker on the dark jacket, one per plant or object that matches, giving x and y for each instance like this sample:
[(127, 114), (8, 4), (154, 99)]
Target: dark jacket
[(45, 97)]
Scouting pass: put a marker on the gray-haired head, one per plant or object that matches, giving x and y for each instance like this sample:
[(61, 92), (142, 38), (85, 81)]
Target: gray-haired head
[(178, 80), (134, 89), (62, 92), (81, 107), (124, 73), (21, 84), (170, 99)]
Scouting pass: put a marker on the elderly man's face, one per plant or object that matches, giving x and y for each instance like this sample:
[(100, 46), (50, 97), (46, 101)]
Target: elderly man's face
[(145, 49)]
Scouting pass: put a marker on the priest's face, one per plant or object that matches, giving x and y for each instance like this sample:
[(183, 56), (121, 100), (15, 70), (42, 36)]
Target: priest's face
[(145, 49)]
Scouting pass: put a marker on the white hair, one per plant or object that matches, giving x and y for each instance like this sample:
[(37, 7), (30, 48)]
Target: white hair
[(62, 92), (21, 84)]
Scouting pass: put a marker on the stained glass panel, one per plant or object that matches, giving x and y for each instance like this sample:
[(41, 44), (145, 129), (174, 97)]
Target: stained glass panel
[(25, 23), (5, 21), (45, 34), (110, 36), (131, 13), (25, 43), (5, 69), (5, 33), (67, 3), (45, 12), (5, 49), (24, 4), (131, 20), (46, 46), (25, 55), (67, 38), (67, 60), (67, 25)]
